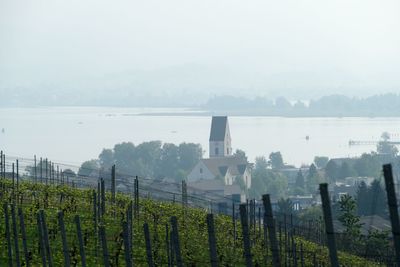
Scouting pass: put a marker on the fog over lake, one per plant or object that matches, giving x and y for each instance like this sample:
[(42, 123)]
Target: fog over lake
[(75, 134)]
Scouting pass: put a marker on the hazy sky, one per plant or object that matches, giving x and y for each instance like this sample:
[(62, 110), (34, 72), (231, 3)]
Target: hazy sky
[(257, 45)]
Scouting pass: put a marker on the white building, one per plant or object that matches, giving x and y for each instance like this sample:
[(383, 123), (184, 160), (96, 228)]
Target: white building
[(222, 164)]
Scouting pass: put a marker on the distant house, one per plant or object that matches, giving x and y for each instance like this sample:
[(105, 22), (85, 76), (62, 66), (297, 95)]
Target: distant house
[(221, 165), (228, 169)]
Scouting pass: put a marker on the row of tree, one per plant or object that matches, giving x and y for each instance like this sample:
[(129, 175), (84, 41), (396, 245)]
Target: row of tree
[(333, 105), (148, 159)]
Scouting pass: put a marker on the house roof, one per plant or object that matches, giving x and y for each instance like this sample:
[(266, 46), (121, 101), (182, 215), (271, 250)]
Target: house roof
[(221, 165), (218, 128)]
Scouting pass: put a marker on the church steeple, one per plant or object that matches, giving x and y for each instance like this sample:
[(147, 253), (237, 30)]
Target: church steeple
[(220, 137)]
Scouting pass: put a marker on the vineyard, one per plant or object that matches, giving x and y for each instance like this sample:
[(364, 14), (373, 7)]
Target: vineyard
[(103, 234), (57, 224)]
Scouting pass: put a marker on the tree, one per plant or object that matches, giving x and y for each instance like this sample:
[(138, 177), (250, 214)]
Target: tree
[(300, 180), (332, 171), (362, 199), (168, 164), (275, 160), (88, 167), (367, 165), (345, 171), (377, 198), (241, 154), (321, 161), (285, 206), (351, 222), (189, 155), (313, 178), (106, 159)]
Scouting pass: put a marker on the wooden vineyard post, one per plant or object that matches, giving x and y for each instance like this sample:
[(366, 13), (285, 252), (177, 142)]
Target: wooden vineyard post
[(149, 252), (103, 197), (94, 196), (136, 193), (17, 166), (127, 246), (129, 220), (60, 216), (246, 238), (15, 236), (98, 200), (8, 235), (23, 233), (46, 238), (330, 234), (41, 240), (270, 224), (167, 245), (211, 240), (113, 184), (393, 210), (175, 240), (106, 256), (35, 168), (1, 164), (80, 240)]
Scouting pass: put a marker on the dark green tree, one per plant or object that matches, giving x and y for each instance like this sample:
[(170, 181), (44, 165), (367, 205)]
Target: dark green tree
[(300, 180), (313, 179), (189, 155), (346, 171), (368, 165), (377, 198), (332, 171), (106, 159), (321, 161), (241, 154), (363, 199), (350, 220), (88, 167), (276, 160)]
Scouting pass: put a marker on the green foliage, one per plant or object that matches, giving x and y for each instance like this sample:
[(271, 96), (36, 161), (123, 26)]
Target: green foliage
[(321, 161), (275, 160), (152, 159), (313, 179), (265, 180), (346, 171), (372, 199), (191, 224), (350, 220), (332, 171), (300, 180), (88, 167), (368, 165)]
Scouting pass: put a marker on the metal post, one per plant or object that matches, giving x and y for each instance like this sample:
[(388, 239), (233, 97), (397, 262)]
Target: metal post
[(330, 234), (393, 210), (35, 170)]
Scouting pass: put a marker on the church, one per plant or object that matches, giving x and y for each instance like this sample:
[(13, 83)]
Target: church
[(222, 169)]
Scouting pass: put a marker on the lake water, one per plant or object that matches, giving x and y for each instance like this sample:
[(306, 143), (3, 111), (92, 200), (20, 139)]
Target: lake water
[(75, 134)]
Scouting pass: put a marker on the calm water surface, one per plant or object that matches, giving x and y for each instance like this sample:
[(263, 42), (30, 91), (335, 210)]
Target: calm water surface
[(75, 134)]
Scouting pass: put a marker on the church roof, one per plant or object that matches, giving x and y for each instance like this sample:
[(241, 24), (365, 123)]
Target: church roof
[(221, 165), (218, 128)]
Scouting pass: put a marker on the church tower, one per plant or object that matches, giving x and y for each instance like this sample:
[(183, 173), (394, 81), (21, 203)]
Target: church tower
[(220, 137)]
